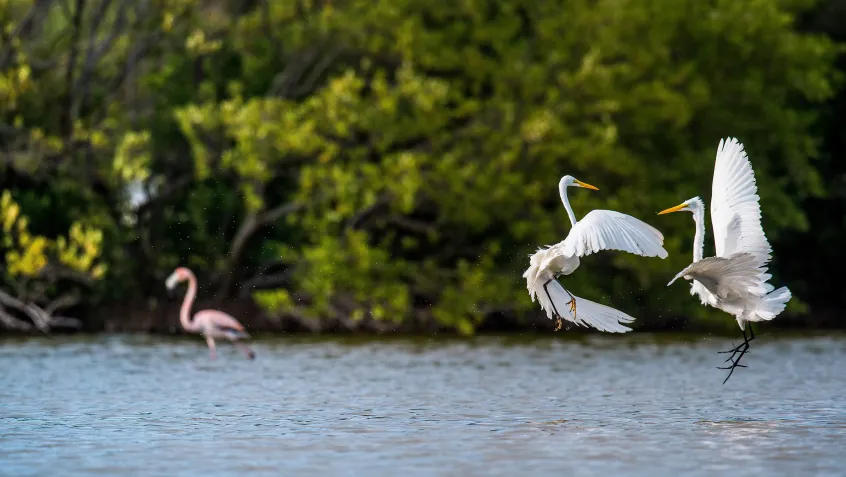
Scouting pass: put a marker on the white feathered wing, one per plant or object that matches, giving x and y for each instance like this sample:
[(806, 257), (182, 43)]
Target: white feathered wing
[(739, 268), (598, 230)]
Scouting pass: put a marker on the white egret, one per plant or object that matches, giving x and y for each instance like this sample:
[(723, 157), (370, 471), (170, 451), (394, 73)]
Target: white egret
[(598, 230), (735, 280)]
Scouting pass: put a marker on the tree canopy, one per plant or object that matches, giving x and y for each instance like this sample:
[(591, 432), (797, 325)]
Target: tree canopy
[(390, 162)]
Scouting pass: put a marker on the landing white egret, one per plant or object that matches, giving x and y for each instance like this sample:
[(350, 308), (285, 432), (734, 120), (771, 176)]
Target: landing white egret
[(735, 280), (598, 230)]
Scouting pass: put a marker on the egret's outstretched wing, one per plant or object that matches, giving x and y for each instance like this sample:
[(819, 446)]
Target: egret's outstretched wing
[(738, 275), (735, 212), (610, 230), (588, 313), (601, 317)]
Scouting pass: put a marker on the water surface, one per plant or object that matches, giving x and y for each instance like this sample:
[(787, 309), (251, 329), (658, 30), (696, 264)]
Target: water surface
[(630, 405)]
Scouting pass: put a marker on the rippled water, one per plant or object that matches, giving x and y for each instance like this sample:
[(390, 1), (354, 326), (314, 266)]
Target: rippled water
[(623, 405)]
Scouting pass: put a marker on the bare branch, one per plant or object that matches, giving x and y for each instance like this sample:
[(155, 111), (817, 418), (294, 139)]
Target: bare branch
[(132, 61), (56, 271), (65, 322), (68, 118), (95, 54), (248, 228), (319, 69), (265, 282), (39, 318), (12, 323), (357, 220), (36, 12), (277, 213), (412, 225), (284, 82), (65, 301)]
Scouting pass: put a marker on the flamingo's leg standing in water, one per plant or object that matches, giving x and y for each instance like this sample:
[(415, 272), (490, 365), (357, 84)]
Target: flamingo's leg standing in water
[(246, 349), (212, 349)]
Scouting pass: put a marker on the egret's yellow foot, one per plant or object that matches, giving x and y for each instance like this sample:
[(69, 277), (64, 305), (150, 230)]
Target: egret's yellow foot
[(572, 304), (558, 323)]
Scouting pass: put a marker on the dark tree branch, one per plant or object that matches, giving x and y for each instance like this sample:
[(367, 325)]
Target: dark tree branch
[(68, 118), (284, 83), (277, 213), (95, 54), (39, 318), (65, 322), (412, 225), (55, 272), (252, 223), (24, 29), (265, 282), (12, 323), (132, 61), (321, 66), (362, 216), (65, 301)]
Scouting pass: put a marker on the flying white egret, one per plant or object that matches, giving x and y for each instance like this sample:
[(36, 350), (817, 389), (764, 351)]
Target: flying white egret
[(735, 280), (598, 230)]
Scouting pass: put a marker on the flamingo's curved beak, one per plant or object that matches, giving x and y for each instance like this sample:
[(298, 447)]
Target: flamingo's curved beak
[(171, 281)]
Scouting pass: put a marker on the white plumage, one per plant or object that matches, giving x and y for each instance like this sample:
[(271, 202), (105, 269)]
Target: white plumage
[(735, 212), (598, 230), (736, 280)]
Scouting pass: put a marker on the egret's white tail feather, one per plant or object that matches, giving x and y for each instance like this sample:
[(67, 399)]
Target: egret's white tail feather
[(588, 313), (773, 303)]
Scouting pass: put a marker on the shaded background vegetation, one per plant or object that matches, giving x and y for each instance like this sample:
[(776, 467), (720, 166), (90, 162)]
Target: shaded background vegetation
[(390, 164)]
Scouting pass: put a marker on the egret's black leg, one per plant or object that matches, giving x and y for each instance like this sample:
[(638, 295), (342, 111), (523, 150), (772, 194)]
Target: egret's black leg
[(743, 346), (738, 348), (735, 363), (558, 322)]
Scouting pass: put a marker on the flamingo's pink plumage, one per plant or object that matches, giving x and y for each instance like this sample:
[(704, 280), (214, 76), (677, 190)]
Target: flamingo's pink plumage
[(209, 323)]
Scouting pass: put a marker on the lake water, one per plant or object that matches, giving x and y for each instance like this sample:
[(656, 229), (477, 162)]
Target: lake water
[(564, 405)]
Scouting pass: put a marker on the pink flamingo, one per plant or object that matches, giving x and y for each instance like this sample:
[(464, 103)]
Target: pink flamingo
[(209, 323)]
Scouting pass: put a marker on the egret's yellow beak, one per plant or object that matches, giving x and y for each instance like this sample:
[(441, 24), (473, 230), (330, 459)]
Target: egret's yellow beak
[(586, 185), (677, 208)]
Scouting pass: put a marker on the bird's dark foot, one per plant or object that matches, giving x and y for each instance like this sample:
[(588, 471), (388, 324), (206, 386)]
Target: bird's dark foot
[(735, 363), (734, 350), (559, 323), (251, 355)]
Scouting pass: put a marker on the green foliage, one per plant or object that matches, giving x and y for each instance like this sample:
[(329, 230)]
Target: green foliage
[(400, 158), (27, 255)]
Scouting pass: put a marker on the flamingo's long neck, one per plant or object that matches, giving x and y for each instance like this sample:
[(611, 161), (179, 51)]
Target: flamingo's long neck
[(562, 190), (699, 238), (185, 311)]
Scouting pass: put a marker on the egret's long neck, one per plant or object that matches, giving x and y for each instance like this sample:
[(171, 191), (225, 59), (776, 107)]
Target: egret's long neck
[(699, 238), (185, 311), (566, 200)]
